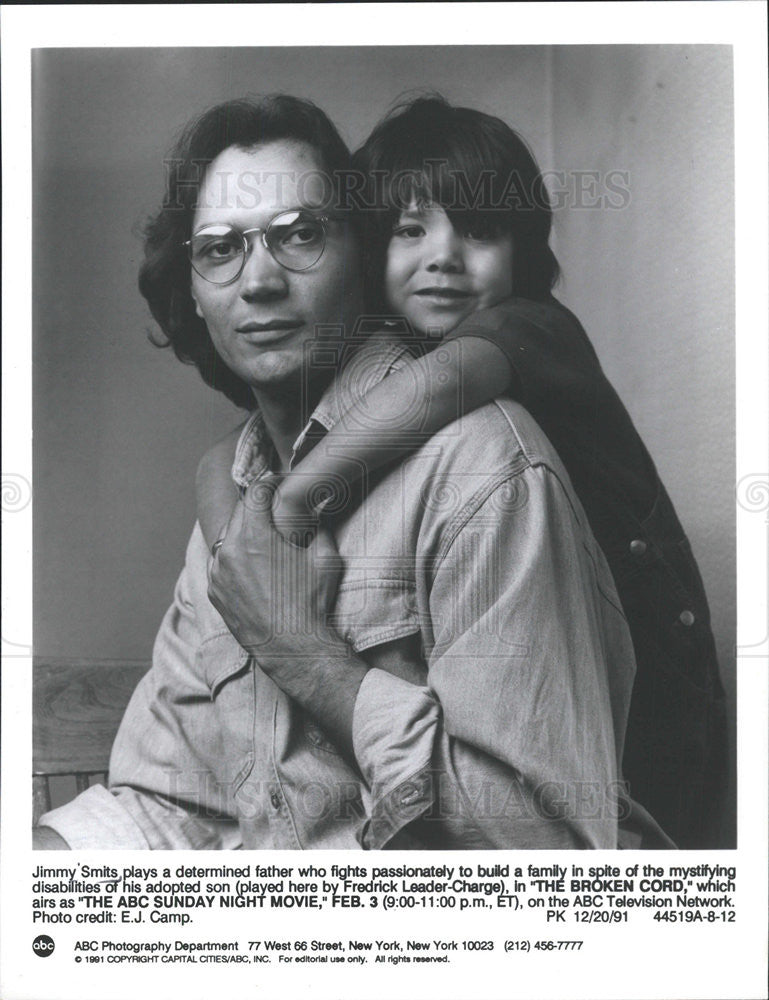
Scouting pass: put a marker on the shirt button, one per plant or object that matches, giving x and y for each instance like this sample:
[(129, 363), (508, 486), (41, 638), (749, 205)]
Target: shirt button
[(637, 547), (409, 793), (275, 800), (686, 618)]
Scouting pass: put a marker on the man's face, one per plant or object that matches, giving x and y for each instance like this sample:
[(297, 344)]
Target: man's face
[(260, 322)]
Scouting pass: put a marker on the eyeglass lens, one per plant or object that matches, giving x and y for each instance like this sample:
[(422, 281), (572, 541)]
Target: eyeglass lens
[(296, 240)]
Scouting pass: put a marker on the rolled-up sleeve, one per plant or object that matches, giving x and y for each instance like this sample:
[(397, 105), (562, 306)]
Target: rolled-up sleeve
[(96, 819), (164, 792), (511, 741)]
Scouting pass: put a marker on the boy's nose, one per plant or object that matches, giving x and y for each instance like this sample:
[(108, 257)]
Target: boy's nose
[(262, 278), (444, 252)]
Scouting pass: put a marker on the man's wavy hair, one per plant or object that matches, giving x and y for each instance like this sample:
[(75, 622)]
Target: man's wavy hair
[(426, 151), (164, 277)]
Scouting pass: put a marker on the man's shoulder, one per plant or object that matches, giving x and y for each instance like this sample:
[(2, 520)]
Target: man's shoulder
[(221, 454), (501, 429), (489, 464), (498, 434)]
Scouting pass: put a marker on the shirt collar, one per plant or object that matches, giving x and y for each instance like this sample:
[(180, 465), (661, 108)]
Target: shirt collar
[(361, 370)]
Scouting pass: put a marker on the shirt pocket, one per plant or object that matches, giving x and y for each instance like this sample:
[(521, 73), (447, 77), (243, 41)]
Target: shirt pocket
[(372, 610), (229, 675)]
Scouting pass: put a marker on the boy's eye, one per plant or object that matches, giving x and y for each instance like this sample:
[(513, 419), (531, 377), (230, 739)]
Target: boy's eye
[(480, 232), (412, 231)]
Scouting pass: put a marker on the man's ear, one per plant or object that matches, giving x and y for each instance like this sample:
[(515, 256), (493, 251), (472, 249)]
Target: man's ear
[(197, 306)]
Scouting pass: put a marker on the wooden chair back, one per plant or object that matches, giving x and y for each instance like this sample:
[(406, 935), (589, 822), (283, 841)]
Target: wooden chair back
[(77, 708)]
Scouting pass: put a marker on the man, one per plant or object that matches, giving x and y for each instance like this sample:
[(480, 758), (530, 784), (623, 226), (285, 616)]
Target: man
[(472, 686)]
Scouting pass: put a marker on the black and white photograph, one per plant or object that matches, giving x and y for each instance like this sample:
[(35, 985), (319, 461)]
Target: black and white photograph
[(489, 675), (384, 485)]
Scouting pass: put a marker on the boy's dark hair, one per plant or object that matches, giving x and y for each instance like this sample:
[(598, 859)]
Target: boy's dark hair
[(471, 164), (164, 277)]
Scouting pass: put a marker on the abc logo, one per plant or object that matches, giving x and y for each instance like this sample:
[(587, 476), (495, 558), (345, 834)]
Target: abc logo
[(43, 946)]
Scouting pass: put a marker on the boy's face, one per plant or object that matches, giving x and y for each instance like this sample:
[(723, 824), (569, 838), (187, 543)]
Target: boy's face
[(436, 275)]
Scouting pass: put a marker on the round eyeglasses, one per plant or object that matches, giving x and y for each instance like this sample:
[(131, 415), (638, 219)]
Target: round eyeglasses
[(295, 239)]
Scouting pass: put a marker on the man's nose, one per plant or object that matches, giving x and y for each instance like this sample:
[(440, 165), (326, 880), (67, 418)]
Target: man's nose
[(262, 279), (444, 251)]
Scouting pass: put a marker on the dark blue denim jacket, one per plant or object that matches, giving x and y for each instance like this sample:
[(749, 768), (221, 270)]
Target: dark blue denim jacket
[(675, 756)]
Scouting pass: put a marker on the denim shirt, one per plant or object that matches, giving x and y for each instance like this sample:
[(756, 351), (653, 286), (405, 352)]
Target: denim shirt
[(477, 547)]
